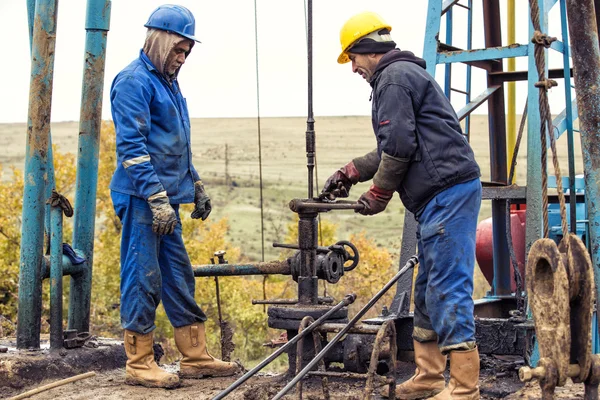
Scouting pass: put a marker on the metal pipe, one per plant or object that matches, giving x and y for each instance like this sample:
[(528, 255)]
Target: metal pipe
[(308, 283), (266, 268), (448, 67), (586, 63), (310, 121), (533, 229), (50, 163), (96, 26), (469, 47), (498, 158), (569, 119), (363, 329), (511, 116), (56, 281), (318, 357), (36, 158), (349, 299), (68, 268), (300, 205), (322, 300)]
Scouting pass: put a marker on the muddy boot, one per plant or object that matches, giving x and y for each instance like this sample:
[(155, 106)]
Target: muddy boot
[(428, 379), (196, 361), (464, 376), (141, 369)]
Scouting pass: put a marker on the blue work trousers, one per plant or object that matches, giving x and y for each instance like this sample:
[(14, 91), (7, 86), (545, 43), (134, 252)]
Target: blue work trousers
[(153, 267), (444, 284)]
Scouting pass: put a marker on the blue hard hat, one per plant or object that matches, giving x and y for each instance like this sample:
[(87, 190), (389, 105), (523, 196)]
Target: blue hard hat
[(173, 18)]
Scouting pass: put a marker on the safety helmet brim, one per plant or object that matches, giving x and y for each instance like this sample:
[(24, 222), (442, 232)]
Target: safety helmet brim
[(343, 58), (191, 37)]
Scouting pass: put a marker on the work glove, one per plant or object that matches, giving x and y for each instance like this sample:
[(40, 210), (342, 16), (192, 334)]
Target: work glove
[(375, 200), (339, 184), (164, 218), (202, 202)]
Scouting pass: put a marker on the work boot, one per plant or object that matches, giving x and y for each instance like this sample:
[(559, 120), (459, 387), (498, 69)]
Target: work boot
[(141, 369), (464, 376), (196, 361), (428, 379)]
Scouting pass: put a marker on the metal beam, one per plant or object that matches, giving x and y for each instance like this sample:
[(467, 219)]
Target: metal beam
[(512, 76), (493, 53), (479, 100)]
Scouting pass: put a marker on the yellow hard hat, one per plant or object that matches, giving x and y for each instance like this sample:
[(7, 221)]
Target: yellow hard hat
[(357, 27)]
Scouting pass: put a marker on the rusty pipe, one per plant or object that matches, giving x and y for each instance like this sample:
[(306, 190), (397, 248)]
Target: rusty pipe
[(303, 205), (261, 268)]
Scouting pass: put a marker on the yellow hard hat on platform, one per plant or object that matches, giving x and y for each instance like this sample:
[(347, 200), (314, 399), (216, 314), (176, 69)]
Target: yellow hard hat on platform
[(357, 28)]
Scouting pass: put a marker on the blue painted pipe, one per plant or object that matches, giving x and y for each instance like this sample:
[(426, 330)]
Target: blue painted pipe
[(68, 268), (586, 63), (50, 166), (36, 159), (56, 281), (97, 26), (534, 228)]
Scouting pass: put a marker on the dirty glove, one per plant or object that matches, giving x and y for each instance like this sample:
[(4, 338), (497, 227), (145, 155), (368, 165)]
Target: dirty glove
[(164, 218), (339, 184), (374, 200), (202, 201)]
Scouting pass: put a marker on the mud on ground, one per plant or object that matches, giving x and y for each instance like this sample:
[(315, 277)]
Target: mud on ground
[(498, 380)]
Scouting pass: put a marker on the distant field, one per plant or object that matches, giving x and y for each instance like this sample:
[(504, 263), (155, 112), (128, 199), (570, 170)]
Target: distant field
[(227, 150)]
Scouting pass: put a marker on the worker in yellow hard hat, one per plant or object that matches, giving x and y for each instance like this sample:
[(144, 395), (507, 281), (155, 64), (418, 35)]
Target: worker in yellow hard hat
[(421, 154)]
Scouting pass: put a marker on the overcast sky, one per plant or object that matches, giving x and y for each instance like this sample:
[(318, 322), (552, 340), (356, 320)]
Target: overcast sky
[(219, 77)]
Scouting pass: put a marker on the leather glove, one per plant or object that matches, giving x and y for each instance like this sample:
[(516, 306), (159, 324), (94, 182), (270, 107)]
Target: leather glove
[(375, 200), (202, 201), (164, 218), (339, 184)]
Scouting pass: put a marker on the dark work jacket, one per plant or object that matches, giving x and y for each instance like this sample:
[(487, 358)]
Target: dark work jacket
[(414, 121)]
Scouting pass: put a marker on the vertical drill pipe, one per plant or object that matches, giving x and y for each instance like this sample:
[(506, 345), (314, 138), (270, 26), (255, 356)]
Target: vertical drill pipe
[(50, 163), (97, 26), (310, 121), (498, 160), (308, 283), (409, 266), (586, 63), (511, 115), (36, 158), (535, 208), (348, 299), (56, 278), (569, 119)]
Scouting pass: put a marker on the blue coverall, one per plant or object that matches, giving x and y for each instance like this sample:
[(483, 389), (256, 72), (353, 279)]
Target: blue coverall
[(153, 155)]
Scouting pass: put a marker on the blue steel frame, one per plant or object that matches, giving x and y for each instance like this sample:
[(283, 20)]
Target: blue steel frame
[(563, 122), (39, 178)]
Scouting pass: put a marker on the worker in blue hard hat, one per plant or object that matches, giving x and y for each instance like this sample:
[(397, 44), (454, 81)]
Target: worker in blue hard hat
[(154, 176), (421, 154)]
